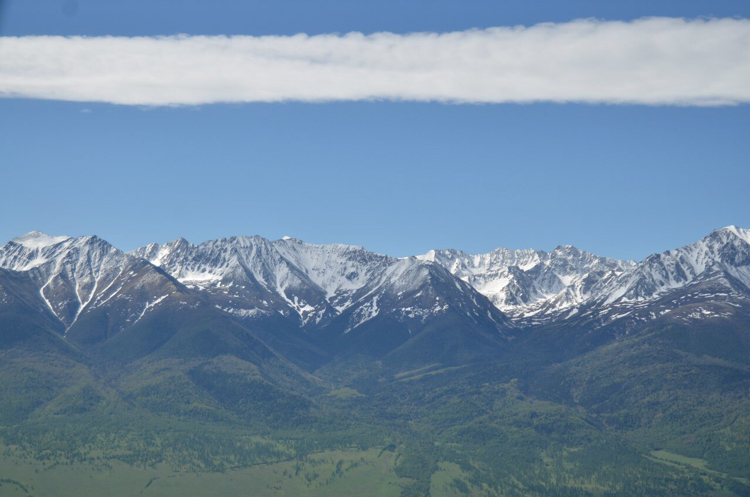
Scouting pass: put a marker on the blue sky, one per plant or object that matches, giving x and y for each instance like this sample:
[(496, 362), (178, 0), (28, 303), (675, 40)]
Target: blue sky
[(162, 17), (397, 177)]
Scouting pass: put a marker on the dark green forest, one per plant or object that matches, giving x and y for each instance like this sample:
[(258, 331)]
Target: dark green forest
[(644, 415)]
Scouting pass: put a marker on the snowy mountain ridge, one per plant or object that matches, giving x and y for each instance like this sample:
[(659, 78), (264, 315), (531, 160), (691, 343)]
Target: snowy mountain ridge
[(522, 282), (75, 276), (538, 286), (726, 250), (248, 275), (343, 287)]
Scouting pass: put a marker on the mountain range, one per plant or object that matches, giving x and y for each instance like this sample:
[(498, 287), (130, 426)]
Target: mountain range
[(338, 297), (246, 329)]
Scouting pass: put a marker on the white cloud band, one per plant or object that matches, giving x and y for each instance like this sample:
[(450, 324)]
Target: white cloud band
[(653, 61)]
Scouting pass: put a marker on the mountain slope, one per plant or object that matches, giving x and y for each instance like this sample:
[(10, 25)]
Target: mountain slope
[(708, 279), (532, 283), (724, 252), (571, 286), (345, 299), (24, 318), (81, 278), (119, 306)]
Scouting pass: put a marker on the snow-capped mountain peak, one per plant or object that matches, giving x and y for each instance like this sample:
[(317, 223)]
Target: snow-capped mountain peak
[(253, 277), (38, 240), (524, 282), (726, 250), (77, 275), (740, 233), (37, 249)]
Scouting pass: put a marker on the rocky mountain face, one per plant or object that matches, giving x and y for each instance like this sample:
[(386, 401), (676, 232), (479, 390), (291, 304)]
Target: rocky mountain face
[(526, 283), (337, 299), (706, 280), (342, 297), (568, 285), (306, 300), (76, 276), (724, 254)]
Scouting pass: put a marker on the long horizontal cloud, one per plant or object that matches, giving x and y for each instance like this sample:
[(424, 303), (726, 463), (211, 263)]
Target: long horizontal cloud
[(654, 61)]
